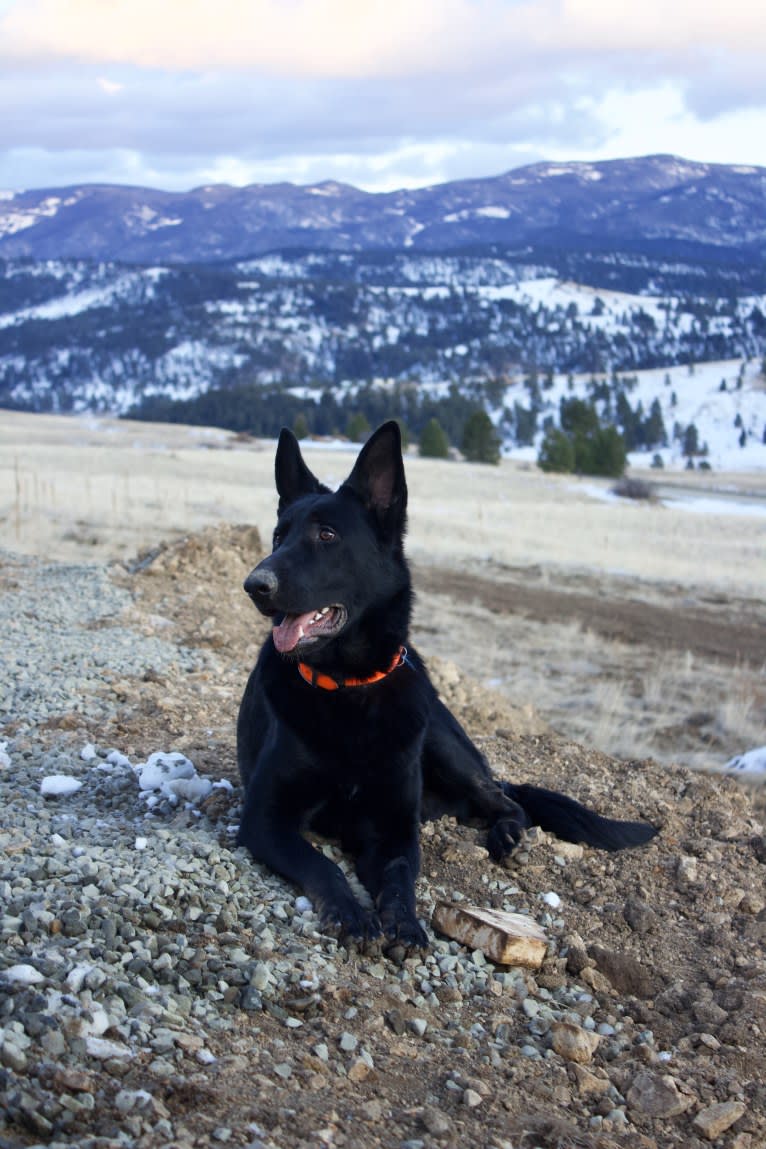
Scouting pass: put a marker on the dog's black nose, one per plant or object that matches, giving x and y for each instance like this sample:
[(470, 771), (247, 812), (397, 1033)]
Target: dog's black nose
[(261, 583)]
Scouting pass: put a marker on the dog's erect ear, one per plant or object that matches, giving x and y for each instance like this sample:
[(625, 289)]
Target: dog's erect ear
[(378, 475), (293, 476)]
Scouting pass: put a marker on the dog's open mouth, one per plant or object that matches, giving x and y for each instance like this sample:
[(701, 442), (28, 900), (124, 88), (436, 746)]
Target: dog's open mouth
[(299, 630)]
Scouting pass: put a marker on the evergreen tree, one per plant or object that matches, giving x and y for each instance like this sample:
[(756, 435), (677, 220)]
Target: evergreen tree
[(357, 427), (557, 452), (433, 441), (654, 433), (690, 441), (525, 422), (301, 426), (605, 454), (480, 442), (576, 416)]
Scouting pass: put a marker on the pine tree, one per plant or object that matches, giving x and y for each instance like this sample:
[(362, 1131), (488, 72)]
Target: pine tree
[(480, 442), (433, 441), (357, 427), (557, 452), (301, 426), (691, 441), (654, 432)]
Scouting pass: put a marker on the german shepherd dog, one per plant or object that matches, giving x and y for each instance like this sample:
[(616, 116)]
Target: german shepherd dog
[(340, 729)]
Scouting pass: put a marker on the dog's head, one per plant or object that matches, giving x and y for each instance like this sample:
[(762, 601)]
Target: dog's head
[(336, 555)]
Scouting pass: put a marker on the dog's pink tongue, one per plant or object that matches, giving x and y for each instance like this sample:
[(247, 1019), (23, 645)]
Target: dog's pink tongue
[(290, 631)]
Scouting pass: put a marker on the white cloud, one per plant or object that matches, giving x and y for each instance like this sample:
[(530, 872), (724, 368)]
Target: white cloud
[(345, 38), (383, 94)]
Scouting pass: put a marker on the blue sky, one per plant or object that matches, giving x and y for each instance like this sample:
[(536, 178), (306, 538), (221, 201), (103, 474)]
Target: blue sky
[(180, 93)]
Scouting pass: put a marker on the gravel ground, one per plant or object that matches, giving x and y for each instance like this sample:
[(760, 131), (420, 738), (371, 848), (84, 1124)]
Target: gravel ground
[(158, 989)]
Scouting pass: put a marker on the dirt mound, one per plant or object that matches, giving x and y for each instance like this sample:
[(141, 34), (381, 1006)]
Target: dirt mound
[(659, 950)]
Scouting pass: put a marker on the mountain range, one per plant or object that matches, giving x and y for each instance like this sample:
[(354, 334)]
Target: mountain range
[(661, 206)]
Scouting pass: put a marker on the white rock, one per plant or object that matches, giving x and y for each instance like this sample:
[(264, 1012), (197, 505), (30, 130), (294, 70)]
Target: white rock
[(88, 752), (22, 974), (75, 979), (58, 785), (103, 1048)]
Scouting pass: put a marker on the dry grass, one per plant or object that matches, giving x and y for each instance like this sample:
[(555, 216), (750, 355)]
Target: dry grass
[(74, 489)]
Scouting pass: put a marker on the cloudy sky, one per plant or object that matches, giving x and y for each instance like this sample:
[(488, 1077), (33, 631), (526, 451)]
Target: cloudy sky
[(377, 93)]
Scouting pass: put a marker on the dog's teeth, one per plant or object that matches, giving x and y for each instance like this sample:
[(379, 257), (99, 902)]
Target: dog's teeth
[(324, 610)]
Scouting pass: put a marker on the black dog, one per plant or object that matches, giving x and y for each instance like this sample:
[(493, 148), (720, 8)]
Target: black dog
[(340, 729)]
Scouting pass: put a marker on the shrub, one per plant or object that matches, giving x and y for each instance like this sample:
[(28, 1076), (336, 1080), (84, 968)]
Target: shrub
[(629, 488)]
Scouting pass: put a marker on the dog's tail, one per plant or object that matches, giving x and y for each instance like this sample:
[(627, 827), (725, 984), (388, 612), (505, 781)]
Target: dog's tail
[(573, 822)]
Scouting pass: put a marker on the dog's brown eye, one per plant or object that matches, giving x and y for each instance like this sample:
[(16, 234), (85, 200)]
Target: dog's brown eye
[(326, 534)]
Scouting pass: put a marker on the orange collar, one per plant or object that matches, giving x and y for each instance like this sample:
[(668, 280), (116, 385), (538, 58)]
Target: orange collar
[(326, 682)]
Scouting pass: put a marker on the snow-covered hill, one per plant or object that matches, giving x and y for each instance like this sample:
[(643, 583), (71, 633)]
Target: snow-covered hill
[(77, 336), (730, 421)]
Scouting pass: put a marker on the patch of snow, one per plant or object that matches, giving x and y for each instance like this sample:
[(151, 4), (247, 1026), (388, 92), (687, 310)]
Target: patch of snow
[(493, 212), (751, 762), (162, 768)]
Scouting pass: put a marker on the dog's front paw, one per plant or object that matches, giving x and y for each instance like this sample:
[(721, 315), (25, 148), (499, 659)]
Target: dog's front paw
[(503, 838), (403, 930), (350, 923)]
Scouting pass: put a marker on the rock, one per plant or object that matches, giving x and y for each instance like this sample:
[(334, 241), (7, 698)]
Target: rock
[(504, 938), (395, 1021), (471, 1098), (716, 1119), (359, 1070), (640, 917), (657, 1095), (572, 1042), (687, 871), (624, 972), (73, 1080), (22, 974), (588, 1084), (436, 1122), (348, 1042), (577, 955)]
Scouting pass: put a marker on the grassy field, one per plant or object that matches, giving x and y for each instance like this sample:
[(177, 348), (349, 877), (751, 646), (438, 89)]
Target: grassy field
[(100, 489)]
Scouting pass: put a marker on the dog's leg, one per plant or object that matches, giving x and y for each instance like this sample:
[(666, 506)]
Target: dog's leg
[(458, 780), (272, 837), (388, 868)]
